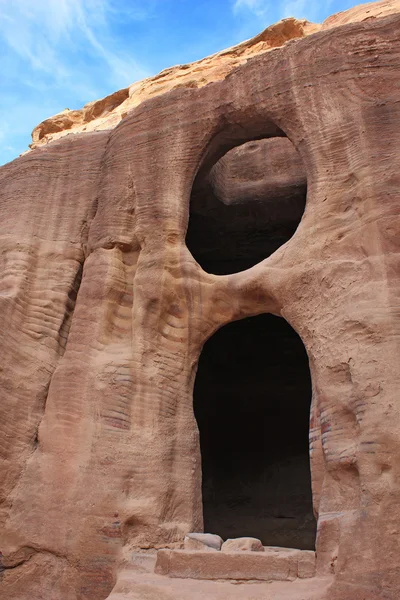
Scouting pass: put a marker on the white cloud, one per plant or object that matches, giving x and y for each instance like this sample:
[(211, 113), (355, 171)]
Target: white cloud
[(43, 32), (302, 9), (257, 7), (58, 53), (306, 9)]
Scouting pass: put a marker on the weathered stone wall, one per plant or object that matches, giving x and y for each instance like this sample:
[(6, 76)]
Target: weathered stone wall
[(100, 449)]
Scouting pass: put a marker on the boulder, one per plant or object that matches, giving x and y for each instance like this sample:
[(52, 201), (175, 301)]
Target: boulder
[(203, 542), (243, 544)]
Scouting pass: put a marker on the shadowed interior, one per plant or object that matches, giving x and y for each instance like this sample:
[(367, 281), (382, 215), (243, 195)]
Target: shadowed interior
[(253, 391), (252, 401), (248, 205)]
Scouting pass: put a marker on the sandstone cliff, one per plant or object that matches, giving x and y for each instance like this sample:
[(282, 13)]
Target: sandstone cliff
[(113, 277), (108, 112)]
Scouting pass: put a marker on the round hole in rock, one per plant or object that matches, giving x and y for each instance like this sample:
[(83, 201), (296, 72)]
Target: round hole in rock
[(252, 399), (246, 206)]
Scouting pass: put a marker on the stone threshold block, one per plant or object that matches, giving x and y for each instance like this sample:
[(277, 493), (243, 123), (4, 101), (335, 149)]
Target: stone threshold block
[(283, 564)]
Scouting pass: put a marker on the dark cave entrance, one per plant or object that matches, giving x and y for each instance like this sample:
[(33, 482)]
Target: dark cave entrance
[(246, 206), (252, 402), (252, 393)]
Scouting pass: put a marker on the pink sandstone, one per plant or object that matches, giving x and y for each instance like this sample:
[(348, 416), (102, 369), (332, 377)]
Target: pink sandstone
[(105, 312)]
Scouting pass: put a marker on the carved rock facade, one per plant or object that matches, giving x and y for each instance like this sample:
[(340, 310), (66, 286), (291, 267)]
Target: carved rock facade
[(105, 311)]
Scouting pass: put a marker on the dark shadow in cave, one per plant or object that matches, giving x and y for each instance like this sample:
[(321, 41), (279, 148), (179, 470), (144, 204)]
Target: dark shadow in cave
[(252, 402), (252, 392), (246, 206)]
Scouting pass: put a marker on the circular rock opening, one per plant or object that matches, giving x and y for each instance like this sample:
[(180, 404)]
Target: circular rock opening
[(246, 206)]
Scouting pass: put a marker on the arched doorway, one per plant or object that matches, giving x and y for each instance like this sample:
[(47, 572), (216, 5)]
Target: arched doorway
[(252, 400)]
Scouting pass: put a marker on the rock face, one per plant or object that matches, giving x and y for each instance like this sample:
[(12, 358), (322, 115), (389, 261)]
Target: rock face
[(107, 112), (105, 312)]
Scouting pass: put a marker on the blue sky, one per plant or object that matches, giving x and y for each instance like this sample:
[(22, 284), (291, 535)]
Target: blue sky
[(58, 54)]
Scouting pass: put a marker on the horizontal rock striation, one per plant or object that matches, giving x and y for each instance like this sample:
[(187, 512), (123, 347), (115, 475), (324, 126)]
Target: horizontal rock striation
[(107, 112), (105, 312)]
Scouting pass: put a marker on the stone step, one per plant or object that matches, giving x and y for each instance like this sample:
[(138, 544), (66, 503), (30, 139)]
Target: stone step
[(144, 562), (283, 564)]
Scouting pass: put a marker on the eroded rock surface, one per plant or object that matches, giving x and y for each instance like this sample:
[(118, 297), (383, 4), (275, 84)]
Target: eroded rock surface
[(105, 312), (107, 112)]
